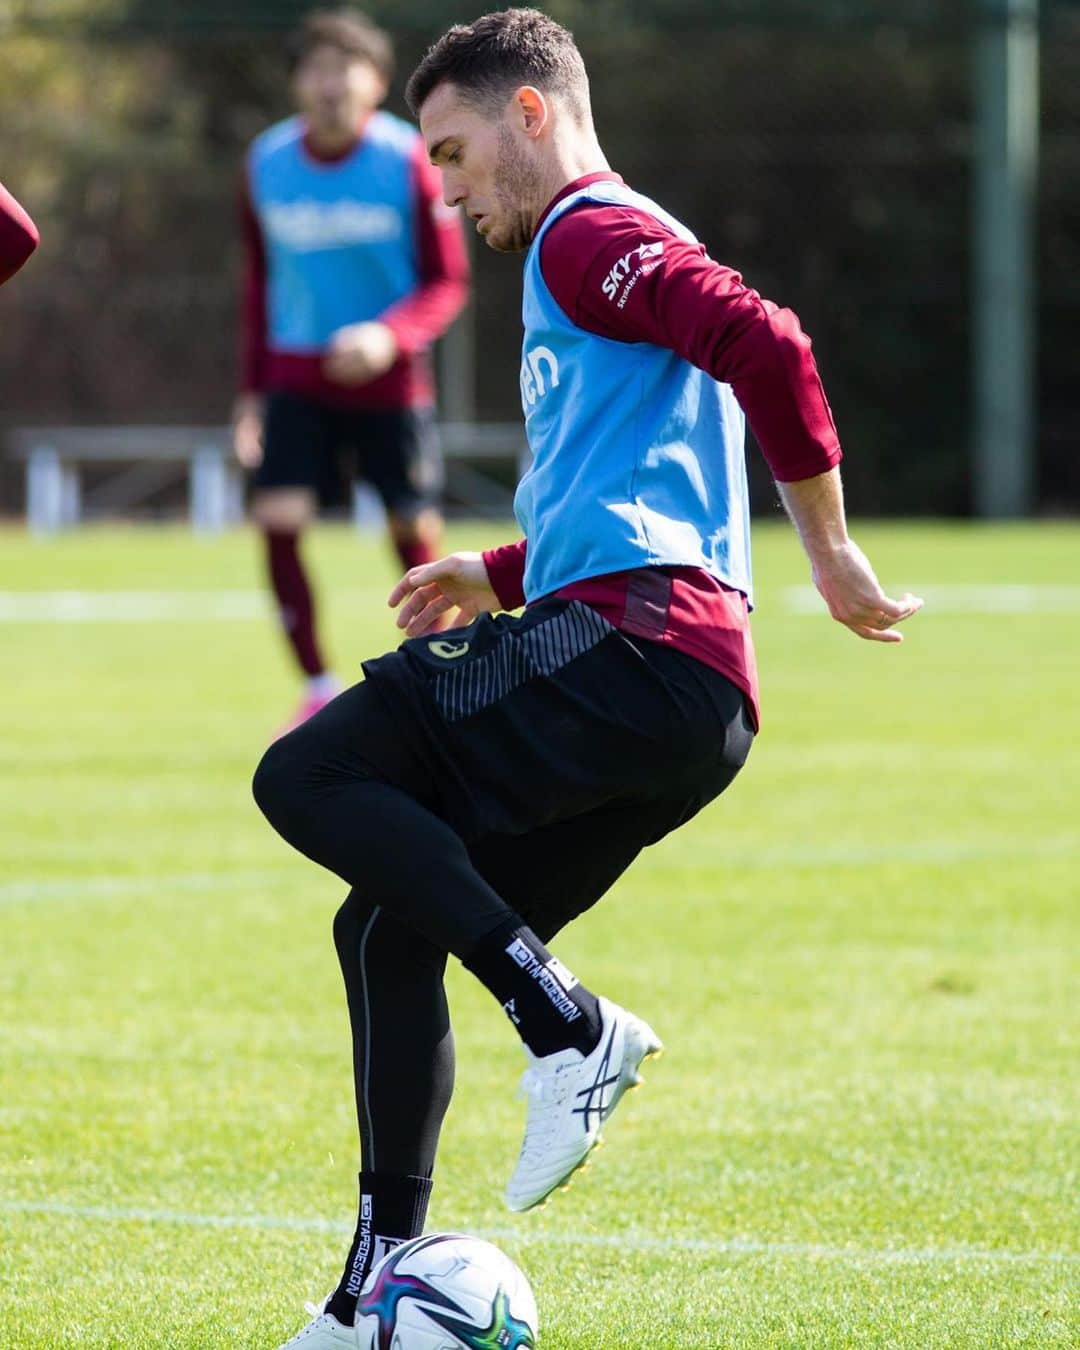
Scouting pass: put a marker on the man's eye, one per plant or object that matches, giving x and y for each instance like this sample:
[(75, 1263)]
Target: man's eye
[(454, 157)]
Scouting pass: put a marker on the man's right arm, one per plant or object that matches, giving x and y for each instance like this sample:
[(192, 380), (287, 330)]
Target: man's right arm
[(18, 235), (426, 593), (506, 573)]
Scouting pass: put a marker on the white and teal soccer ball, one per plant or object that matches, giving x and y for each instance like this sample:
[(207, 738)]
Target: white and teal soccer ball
[(445, 1291)]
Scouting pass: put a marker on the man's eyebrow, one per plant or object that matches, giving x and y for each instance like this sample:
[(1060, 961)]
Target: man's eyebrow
[(437, 149)]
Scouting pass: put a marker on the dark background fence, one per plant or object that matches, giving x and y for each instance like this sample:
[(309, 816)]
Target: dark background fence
[(823, 149)]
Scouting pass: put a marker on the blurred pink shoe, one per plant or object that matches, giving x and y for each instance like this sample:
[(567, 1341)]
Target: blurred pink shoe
[(314, 701)]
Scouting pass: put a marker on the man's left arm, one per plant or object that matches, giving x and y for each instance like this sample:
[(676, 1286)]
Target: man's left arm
[(840, 570), (624, 275)]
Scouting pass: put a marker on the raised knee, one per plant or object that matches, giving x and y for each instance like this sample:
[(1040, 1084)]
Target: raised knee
[(274, 782)]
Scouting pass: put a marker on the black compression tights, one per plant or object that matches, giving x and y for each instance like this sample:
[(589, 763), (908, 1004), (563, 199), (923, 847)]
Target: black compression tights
[(346, 791), (416, 895), (404, 1076)]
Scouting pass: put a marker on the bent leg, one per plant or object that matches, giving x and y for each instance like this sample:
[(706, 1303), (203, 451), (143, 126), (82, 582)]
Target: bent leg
[(552, 874), (347, 793)]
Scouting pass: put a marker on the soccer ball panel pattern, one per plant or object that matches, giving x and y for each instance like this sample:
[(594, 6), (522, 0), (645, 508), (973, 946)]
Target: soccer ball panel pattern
[(446, 1291)]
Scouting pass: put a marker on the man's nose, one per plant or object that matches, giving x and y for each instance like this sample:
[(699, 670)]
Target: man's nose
[(454, 192)]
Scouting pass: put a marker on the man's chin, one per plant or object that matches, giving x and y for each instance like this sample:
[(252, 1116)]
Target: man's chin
[(506, 241), (330, 128)]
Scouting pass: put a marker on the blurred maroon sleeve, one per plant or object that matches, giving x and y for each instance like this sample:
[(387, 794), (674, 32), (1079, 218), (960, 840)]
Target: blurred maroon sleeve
[(429, 310), (252, 295), (18, 235), (506, 572), (623, 274)]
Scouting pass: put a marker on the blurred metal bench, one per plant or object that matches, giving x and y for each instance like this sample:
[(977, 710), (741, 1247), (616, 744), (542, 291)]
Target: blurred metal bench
[(149, 456), (147, 459)]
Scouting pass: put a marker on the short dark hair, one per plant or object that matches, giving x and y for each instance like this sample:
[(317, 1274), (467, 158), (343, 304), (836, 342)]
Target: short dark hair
[(350, 32), (489, 59)]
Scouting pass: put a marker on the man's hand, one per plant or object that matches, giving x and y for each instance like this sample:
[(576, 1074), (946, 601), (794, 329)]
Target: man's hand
[(433, 589), (247, 428), (839, 567), (360, 353), (854, 596)]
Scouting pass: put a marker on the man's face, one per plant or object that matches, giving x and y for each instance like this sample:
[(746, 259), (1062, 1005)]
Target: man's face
[(335, 91), (489, 166)]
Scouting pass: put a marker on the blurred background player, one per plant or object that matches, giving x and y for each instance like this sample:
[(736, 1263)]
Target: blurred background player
[(352, 268), (18, 235)]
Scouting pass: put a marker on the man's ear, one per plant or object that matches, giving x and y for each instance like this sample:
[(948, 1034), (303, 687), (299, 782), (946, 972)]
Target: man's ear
[(531, 110)]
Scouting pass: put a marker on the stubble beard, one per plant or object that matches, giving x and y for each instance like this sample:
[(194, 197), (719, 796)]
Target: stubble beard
[(514, 190)]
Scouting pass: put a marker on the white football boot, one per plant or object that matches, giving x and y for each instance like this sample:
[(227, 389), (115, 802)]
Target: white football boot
[(570, 1097), (323, 1332)]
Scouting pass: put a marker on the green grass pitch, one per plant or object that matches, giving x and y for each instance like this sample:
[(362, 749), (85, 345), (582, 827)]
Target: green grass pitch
[(862, 960)]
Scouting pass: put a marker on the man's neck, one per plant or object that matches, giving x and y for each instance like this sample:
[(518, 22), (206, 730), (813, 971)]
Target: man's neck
[(333, 142), (569, 163)]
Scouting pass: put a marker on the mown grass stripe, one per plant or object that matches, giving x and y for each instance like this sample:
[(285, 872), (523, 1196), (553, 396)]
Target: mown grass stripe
[(629, 1241)]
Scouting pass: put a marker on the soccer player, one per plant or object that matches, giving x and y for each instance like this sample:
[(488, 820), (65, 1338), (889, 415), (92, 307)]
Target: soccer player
[(484, 786), (353, 267), (18, 235)]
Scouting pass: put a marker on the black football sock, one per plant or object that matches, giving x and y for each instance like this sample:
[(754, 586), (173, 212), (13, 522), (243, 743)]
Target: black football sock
[(392, 1210), (550, 1008)]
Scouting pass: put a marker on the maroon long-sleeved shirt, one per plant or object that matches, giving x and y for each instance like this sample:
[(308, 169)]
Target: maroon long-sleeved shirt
[(416, 320), (684, 301), (18, 235)]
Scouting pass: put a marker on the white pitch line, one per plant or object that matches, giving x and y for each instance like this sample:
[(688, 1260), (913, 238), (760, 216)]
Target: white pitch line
[(106, 887), (132, 606), (27, 890), (631, 1241), (1034, 598), (217, 606)]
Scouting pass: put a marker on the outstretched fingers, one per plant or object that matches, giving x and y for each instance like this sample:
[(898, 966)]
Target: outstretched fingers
[(429, 613), (416, 601), (413, 579)]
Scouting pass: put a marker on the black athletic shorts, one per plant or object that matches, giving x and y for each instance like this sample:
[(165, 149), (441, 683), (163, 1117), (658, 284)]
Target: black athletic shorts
[(512, 724), (313, 445)]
